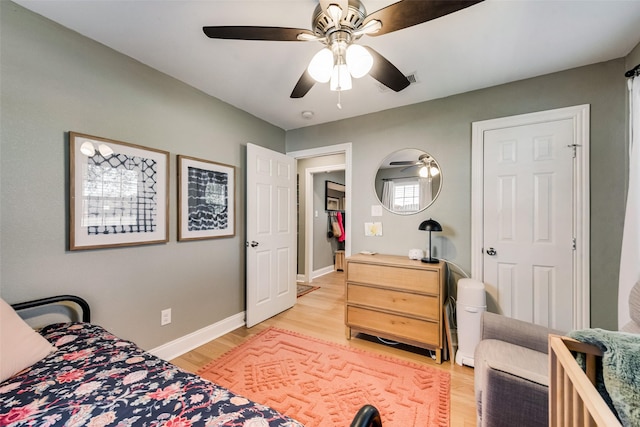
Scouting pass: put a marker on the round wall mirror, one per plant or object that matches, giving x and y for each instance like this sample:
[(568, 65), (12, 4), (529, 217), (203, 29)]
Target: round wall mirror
[(408, 181)]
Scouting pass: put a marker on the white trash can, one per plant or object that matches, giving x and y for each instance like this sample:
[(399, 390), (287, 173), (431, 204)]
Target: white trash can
[(471, 303)]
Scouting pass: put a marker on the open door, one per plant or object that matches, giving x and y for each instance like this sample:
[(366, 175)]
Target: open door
[(271, 233)]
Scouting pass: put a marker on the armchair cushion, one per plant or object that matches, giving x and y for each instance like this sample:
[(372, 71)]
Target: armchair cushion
[(511, 372)]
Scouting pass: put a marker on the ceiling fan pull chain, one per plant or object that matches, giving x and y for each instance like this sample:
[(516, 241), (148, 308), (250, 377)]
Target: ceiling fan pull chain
[(339, 104)]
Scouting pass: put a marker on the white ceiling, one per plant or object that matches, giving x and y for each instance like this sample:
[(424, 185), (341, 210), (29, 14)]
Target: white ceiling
[(491, 43)]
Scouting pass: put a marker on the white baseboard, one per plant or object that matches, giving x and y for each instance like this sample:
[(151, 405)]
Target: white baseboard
[(177, 347), (321, 272), (300, 278)]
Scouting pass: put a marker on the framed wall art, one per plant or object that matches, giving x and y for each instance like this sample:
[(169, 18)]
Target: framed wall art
[(206, 199), (119, 193)]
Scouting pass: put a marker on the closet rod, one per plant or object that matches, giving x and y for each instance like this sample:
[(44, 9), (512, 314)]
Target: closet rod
[(634, 72)]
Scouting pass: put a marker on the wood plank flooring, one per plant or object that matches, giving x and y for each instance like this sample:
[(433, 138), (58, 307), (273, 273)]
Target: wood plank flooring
[(321, 314)]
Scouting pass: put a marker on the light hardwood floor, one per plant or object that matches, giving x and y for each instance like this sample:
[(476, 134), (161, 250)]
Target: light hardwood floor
[(321, 314)]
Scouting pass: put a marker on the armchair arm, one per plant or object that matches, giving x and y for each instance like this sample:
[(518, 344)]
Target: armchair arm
[(517, 332)]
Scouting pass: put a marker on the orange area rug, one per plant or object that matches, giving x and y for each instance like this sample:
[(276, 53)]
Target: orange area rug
[(324, 384)]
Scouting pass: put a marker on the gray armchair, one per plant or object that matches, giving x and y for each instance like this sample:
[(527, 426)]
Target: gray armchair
[(511, 372)]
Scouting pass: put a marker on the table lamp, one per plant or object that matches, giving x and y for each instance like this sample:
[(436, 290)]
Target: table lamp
[(430, 225)]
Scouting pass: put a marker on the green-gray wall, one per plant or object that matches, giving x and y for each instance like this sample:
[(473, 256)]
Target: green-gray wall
[(53, 81), (442, 127)]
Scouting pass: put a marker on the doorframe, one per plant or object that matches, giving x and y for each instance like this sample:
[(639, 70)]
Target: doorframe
[(345, 149), (581, 275), (309, 216)]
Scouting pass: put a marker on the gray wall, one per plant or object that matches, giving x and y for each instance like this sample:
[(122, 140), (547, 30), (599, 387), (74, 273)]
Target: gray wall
[(442, 128), (53, 81), (633, 58)]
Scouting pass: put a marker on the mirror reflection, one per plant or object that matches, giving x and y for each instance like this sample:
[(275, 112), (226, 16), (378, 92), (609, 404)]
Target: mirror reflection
[(408, 181), (334, 196)]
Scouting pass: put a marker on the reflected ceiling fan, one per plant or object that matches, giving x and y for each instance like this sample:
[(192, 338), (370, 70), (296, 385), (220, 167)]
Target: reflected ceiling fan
[(428, 166), (338, 24)]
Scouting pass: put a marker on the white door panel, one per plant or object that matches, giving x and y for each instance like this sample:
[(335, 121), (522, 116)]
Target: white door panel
[(271, 233), (528, 221)]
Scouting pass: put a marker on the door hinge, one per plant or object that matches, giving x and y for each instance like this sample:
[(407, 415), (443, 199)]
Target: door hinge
[(575, 149), (574, 243)]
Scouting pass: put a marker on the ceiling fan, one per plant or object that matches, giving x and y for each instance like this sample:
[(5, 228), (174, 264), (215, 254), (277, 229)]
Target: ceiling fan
[(428, 165), (338, 24)]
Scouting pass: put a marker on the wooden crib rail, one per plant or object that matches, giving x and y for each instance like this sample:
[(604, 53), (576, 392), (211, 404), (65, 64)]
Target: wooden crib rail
[(573, 398)]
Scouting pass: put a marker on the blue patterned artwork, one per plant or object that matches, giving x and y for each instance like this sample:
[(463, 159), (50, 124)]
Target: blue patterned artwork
[(208, 199), (119, 193)]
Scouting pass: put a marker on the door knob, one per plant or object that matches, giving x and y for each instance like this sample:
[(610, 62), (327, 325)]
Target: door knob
[(491, 252), (254, 243)]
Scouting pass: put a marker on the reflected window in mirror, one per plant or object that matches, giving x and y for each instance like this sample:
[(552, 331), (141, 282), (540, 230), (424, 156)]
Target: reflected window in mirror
[(408, 181)]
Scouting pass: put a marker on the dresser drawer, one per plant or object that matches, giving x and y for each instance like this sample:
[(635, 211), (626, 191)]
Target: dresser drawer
[(387, 299), (394, 277), (402, 327)]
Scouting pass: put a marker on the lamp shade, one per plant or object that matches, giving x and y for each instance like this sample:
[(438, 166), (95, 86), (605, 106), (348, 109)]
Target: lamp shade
[(340, 79), (87, 149), (359, 61), (430, 225), (321, 66)]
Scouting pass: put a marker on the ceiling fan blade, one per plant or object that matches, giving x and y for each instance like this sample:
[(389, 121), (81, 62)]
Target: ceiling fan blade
[(403, 163), (255, 33), (387, 73), (407, 168), (304, 85), (407, 13)]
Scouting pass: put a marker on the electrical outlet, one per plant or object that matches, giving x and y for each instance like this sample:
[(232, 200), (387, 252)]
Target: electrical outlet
[(165, 317)]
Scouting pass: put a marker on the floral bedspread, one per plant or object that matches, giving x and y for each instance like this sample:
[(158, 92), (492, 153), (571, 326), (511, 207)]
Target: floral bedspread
[(96, 379)]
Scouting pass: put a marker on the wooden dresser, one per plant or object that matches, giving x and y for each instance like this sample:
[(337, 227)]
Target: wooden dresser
[(396, 298)]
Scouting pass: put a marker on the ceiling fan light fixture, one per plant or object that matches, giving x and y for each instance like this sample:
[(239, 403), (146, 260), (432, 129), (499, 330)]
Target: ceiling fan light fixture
[(105, 150), (370, 27), (359, 61), (321, 66), (340, 78), (87, 149), (335, 12)]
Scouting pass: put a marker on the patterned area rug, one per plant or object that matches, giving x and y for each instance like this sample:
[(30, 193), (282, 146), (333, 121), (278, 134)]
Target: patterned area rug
[(324, 384), (305, 289)]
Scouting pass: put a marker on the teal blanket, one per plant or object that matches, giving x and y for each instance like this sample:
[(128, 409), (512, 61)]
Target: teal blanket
[(620, 370)]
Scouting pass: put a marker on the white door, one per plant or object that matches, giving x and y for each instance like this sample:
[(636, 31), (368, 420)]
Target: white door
[(271, 233), (528, 221), (531, 237)]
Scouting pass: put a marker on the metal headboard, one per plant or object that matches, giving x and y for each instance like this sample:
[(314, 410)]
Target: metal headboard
[(82, 303)]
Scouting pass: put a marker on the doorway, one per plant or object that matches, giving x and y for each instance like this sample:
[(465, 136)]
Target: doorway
[(307, 210), (530, 215)]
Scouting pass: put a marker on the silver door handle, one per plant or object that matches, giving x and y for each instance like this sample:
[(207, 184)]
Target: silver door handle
[(491, 252)]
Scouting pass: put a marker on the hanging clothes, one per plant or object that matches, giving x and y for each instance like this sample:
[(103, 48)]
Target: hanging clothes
[(339, 217), (333, 228)]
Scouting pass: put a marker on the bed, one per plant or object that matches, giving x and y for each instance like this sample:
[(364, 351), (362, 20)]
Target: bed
[(89, 377)]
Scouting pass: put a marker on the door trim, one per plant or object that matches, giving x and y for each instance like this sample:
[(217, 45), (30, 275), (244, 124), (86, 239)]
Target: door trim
[(345, 149), (580, 116), (308, 214)]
